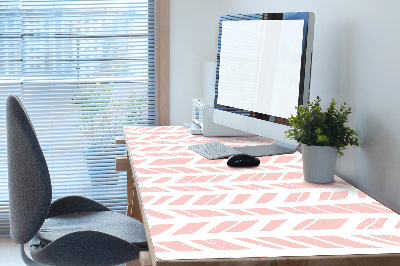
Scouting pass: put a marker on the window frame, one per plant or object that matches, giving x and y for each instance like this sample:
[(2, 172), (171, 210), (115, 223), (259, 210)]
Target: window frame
[(163, 88)]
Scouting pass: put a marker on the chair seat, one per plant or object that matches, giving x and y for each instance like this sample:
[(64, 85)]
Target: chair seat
[(107, 222)]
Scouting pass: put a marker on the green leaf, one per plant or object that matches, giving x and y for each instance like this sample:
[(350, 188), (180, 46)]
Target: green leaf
[(312, 126)]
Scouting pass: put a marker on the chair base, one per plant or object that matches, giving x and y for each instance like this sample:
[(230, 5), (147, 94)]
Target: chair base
[(26, 259)]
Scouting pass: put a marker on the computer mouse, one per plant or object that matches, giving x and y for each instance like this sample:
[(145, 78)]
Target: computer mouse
[(242, 160)]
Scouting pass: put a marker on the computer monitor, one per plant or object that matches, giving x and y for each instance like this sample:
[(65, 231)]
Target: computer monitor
[(263, 73)]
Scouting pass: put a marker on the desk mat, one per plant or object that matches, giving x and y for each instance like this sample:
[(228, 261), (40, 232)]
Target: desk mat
[(199, 209)]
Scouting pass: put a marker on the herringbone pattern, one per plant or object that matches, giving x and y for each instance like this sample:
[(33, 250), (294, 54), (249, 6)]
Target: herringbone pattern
[(197, 208)]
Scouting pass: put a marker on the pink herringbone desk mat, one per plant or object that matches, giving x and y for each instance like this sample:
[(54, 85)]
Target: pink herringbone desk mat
[(198, 209)]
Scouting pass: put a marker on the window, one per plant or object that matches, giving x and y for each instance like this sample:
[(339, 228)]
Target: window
[(83, 70)]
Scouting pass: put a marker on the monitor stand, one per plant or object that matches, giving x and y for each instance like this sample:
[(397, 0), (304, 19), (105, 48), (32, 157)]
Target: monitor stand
[(266, 150)]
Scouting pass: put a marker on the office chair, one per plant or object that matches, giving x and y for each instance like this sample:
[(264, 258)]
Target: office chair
[(70, 231)]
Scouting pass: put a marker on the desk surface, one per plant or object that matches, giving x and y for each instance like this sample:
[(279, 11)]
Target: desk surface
[(198, 209)]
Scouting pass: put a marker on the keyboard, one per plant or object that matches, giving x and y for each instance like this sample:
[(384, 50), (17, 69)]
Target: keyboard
[(214, 150)]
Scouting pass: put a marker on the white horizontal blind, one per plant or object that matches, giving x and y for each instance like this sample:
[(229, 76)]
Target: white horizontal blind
[(10, 82), (83, 69)]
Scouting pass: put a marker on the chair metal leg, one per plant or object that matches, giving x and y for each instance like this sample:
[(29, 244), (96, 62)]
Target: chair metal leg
[(26, 259)]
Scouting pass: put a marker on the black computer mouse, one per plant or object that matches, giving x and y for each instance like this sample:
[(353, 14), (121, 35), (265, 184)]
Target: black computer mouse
[(242, 160)]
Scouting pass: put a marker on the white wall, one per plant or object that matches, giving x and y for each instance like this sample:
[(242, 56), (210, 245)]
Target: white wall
[(356, 59), (194, 41)]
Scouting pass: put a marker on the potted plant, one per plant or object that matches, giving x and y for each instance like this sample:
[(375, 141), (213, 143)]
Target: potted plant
[(323, 135), (100, 107)]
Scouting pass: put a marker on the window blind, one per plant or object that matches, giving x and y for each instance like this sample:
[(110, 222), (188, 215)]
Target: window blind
[(83, 69)]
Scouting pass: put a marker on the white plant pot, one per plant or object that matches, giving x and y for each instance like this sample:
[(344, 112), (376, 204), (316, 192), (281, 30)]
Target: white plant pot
[(319, 163)]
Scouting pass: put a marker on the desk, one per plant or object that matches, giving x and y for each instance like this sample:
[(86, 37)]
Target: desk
[(202, 212)]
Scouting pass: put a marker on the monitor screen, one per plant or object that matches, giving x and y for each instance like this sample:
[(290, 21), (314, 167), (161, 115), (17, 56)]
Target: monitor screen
[(260, 63), (263, 71)]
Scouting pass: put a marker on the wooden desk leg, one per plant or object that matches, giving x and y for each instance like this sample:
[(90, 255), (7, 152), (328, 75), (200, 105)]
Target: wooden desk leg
[(144, 258), (133, 263), (132, 197), (133, 210), (129, 193)]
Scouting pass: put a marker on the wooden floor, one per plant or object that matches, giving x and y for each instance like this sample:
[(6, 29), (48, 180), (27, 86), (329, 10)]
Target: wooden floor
[(9, 253)]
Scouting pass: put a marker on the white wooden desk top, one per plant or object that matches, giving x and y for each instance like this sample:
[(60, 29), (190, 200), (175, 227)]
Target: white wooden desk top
[(198, 209)]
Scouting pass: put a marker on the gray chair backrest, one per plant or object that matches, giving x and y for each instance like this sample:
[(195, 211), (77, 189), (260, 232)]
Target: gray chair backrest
[(29, 183)]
